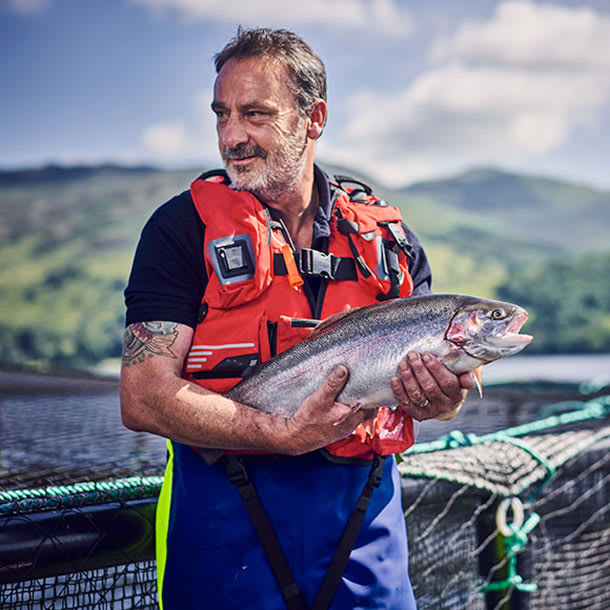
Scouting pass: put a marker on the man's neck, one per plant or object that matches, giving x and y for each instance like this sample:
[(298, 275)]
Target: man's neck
[(298, 208)]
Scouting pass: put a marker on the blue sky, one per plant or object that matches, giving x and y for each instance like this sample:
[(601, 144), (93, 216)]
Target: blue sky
[(417, 89)]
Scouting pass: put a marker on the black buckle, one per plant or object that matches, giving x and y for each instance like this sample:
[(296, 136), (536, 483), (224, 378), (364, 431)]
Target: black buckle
[(314, 262), (347, 226), (376, 473), (398, 237), (236, 471)]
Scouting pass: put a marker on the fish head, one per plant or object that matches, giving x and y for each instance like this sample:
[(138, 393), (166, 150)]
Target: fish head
[(487, 330)]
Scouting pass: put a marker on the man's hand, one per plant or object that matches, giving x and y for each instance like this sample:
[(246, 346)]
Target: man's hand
[(427, 389), (320, 420)]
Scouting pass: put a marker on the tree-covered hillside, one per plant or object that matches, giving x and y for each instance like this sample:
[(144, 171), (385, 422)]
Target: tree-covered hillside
[(67, 237), (568, 301)]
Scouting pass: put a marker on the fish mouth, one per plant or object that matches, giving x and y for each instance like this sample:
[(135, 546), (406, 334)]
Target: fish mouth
[(510, 335)]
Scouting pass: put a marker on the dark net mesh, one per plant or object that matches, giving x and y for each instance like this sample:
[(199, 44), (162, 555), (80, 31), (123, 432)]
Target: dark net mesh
[(78, 493), (120, 587), (91, 545), (457, 554)]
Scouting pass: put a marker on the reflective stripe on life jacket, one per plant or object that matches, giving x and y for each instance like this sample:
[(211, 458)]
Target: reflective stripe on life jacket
[(254, 305)]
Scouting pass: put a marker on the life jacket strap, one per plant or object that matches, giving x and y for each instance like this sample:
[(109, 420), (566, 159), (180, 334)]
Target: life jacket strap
[(319, 264), (398, 237)]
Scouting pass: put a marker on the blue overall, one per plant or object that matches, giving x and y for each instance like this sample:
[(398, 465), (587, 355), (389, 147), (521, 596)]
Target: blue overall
[(203, 528)]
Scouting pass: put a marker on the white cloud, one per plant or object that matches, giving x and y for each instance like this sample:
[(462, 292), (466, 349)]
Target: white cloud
[(188, 140), (534, 35), (29, 7), (168, 139), (502, 91), (383, 15)]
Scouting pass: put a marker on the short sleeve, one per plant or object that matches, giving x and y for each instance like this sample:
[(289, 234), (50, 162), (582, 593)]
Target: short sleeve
[(419, 267), (167, 279)]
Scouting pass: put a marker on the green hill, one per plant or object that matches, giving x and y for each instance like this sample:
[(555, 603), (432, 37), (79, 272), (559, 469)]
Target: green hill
[(548, 212), (481, 227), (67, 236)]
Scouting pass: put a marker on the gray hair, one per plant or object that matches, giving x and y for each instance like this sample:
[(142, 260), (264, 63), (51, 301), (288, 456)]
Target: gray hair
[(307, 72)]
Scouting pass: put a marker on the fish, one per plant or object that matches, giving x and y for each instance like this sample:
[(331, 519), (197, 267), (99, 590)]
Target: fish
[(464, 332)]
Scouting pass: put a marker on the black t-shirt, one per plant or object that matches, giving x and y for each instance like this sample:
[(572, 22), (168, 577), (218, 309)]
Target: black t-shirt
[(168, 276)]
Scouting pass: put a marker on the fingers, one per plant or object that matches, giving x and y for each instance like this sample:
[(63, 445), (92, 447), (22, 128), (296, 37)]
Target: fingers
[(467, 380), (321, 420), (333, 385), (426, 388), (324, 398)]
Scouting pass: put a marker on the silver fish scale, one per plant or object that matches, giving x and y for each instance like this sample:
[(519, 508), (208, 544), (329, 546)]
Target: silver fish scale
[(369, 341)]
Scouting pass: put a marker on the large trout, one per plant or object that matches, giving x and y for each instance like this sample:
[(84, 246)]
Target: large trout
[(464, 332)]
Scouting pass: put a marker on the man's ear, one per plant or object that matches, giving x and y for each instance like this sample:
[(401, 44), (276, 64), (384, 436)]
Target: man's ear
[(317, 119)]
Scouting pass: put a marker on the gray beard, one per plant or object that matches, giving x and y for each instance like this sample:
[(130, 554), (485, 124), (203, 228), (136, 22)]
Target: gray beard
[(281, 174)]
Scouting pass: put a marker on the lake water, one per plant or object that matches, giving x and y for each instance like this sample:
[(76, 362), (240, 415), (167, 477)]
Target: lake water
[(561, 368)]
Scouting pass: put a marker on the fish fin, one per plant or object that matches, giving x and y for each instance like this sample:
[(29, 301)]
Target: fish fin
[(478, 380), (324, 324), (354, 406)]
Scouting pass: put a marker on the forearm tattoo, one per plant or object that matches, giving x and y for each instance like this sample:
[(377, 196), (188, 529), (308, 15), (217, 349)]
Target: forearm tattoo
[(143, 340)]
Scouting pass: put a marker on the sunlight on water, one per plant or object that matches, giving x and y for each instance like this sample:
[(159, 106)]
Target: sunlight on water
[(573, 368)]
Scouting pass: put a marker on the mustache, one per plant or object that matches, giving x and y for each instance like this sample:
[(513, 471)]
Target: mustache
[(244, 150)]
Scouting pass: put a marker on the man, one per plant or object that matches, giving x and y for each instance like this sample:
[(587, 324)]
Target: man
[(221, 280)]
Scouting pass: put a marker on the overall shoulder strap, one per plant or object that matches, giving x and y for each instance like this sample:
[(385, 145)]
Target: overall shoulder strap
[(238, 475)]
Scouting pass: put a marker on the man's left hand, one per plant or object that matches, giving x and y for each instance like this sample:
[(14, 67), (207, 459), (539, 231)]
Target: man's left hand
[(427, 389)]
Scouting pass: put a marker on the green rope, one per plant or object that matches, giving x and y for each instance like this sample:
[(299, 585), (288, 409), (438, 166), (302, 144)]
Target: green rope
[(512, 545), (595, 385), (598, 408), (78, 494), (541, 459)]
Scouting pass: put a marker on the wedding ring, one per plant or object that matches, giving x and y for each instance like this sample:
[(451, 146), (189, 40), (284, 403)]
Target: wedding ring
[(423, 404)]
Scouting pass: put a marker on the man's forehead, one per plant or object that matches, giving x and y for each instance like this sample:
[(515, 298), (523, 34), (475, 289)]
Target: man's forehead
[(254, 77)]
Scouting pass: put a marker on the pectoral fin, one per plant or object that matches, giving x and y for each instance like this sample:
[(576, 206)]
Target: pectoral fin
[(478, 380)]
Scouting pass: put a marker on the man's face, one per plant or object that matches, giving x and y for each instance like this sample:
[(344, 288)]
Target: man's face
[(261, 135)]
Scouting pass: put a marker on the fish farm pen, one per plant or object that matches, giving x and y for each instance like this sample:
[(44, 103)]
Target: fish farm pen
[(507, 505)]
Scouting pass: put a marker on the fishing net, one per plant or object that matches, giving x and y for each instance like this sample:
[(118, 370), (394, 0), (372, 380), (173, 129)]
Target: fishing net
[(77, 497), (516, 517)]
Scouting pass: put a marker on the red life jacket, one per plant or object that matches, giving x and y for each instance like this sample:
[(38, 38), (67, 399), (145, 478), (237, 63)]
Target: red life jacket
[(255, 304)]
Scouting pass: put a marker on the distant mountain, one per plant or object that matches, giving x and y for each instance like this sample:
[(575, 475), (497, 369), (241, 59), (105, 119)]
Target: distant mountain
[(537, 209), (67, 237), (54, 173)]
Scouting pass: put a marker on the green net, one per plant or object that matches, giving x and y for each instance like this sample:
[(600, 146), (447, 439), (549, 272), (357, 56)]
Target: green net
[(555, 549), (511, 518)]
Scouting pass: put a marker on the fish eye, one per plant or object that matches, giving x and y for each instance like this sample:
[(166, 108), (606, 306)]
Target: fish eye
[(497, 314)]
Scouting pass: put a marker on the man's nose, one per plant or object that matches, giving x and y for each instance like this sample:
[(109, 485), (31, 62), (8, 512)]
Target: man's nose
[(232, 132)]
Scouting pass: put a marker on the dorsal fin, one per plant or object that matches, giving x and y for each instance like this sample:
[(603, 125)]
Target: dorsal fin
[(330, 321)]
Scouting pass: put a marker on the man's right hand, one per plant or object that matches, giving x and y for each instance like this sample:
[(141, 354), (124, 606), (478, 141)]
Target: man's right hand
[(321, 420)]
